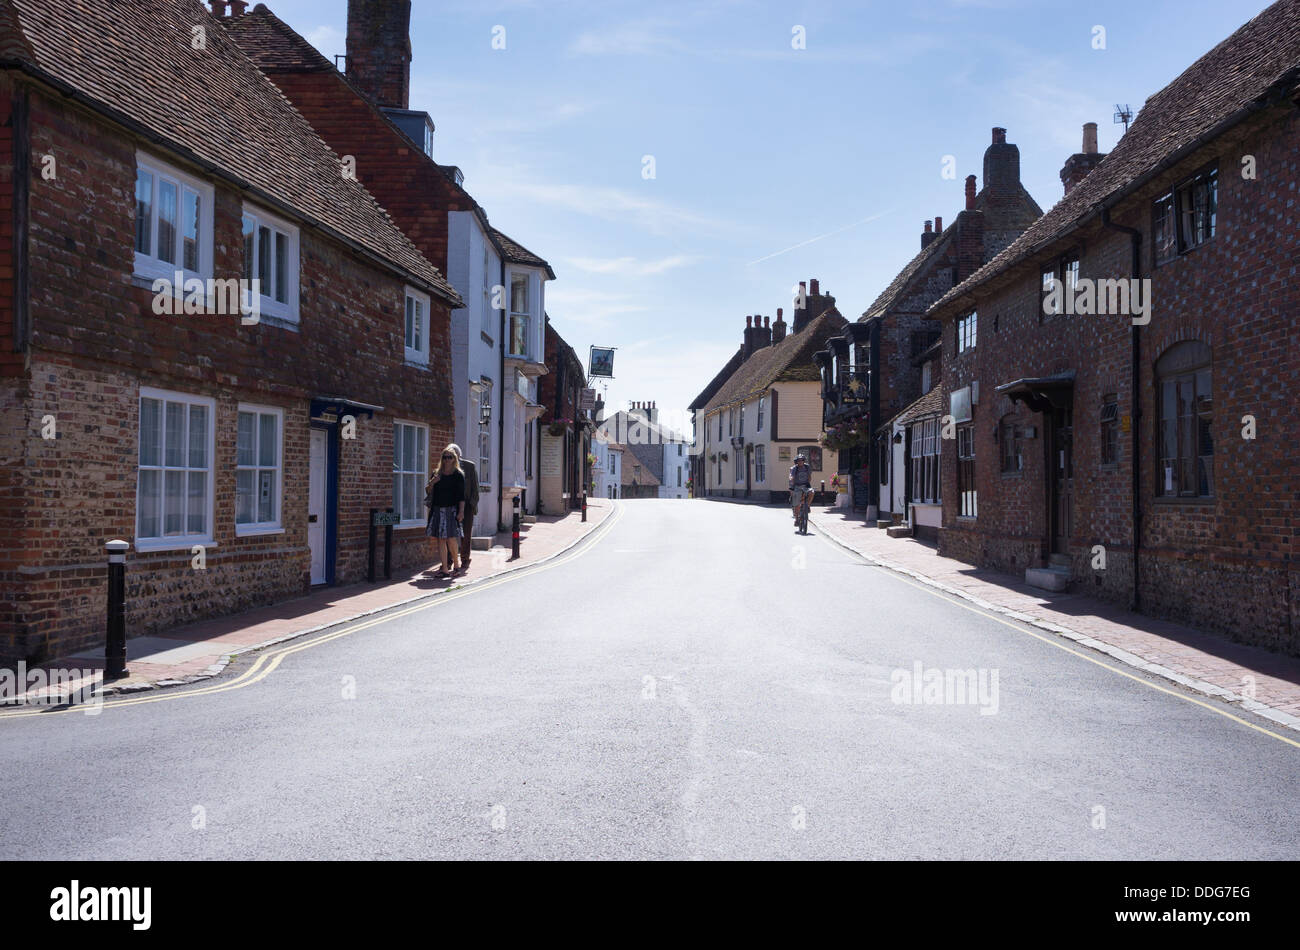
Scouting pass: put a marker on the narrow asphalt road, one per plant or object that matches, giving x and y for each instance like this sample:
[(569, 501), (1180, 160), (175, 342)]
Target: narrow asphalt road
[(699, 682)]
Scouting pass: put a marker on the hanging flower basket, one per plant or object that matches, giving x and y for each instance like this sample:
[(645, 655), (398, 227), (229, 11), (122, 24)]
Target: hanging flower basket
[(558, 427), (713, 456), (846, 435)]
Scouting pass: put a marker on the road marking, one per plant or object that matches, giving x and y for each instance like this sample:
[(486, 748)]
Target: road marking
[(268, 661), (854, 556)]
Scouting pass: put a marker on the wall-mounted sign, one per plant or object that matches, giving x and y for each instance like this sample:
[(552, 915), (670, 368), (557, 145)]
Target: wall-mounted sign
[(601, 362), (588, 400), (960, 407)]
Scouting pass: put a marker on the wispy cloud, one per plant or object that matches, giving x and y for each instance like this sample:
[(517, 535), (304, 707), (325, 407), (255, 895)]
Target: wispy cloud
[(624, 206), (819, 237), (597, 309), (328, 40), (637, 38), (630, 266)]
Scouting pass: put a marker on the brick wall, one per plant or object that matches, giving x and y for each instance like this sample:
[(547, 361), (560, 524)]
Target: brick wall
[(96, 341), (1225, 563)]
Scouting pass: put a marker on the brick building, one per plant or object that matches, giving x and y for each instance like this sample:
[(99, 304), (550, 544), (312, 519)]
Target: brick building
[(564, 428), (240, 458), (497, 345), (1164, 426), (873, 370)]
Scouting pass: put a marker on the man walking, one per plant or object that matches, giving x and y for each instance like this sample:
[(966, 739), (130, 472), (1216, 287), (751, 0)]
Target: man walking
[(471, 507)]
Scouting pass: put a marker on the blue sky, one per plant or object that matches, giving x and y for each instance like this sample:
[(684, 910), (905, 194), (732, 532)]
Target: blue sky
[(772, 164)]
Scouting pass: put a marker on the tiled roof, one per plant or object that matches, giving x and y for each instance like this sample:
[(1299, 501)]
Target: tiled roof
[(630, 475), (1257, 62), (931, 404), (716, 382), (134, 60), (273, 44), (791, 359), (904, 276), (518, 254)]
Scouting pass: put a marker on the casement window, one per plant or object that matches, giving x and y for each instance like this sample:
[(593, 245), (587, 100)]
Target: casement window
[(489, 314), (966, 332), (742, 418), (719, 427), (520, 315), (679, 476), (1185, 217), (410, 471), (173, 222), (485, 433), (1013, 460), (271, 258), (760, 412), (528, 450), (1109, 430), (925, 461), (417, 327), (1064, 269), (760, 466), (174, 494), (258, 470), (740, 465), (814, 455), (1185, 413), (966, 471), (731, 422)]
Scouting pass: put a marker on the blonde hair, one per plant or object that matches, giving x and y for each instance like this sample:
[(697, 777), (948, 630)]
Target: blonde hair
[(453, 450)]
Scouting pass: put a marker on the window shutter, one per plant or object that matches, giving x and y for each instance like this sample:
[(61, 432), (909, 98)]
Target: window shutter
[(772, 413)]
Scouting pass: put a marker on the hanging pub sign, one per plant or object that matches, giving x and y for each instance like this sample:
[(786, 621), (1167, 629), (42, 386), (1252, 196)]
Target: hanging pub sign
[(601, 362), (588, 400)]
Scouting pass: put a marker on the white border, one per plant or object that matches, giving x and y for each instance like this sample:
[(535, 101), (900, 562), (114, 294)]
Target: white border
[(177, 542), (257, 529)]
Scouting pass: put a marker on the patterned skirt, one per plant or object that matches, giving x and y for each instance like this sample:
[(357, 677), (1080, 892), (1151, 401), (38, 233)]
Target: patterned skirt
[(442, 523)]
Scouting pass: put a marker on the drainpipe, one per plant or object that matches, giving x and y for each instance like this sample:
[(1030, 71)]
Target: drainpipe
[(501, 401), (873, 460), (1135, 378)]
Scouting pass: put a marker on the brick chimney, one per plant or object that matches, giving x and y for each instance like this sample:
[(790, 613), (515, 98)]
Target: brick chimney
[(970, 192), (219, 8), (927, 235), (379, 50), (938, 225), (815, 304), (763, 334), (778, 328), (1078, 165), (1001, 166), (747, 345)]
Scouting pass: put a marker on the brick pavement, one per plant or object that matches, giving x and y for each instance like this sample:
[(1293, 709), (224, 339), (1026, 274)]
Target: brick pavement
[(1199, 661), (199, 650)]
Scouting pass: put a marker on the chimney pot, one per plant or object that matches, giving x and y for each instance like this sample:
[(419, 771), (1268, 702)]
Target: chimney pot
[(999, 135), (970, 192), (928, 228), (1090, 138), (938, 224), (237, 7), (767, 322), (218, 8), (749, 321), (779, 311), (816, 288)]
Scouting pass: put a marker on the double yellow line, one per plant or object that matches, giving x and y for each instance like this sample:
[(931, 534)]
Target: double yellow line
[(268, 661)]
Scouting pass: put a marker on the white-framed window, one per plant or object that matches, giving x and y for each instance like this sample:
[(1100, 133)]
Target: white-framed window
[(489, 315), (520, 314), (760, 466), (761, 400), (740, 465), (271, 258), (417, 327), (173, 222), (410, 471), (485, 434), (174, 497), (258, 469)]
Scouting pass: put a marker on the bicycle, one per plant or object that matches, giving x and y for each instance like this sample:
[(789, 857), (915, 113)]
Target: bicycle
[(801, 517)]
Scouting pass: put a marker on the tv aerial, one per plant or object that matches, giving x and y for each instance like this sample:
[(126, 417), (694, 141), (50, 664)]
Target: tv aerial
[(1123, 114)]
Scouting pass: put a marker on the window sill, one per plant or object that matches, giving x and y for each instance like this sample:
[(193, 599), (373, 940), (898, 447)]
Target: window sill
[(421, 362), (272, 320), (155, 545), (407, 525), (255, 531), (1198, 500)]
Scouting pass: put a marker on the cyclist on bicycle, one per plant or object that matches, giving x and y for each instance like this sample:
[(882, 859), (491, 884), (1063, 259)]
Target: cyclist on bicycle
[(800, 483)]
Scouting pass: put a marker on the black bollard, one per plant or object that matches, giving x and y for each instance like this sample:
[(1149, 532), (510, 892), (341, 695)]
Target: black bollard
[(514, 531), (115, 649), (584, 506)]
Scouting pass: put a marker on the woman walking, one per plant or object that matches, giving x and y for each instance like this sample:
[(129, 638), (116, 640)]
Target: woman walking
[(446, 497)]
